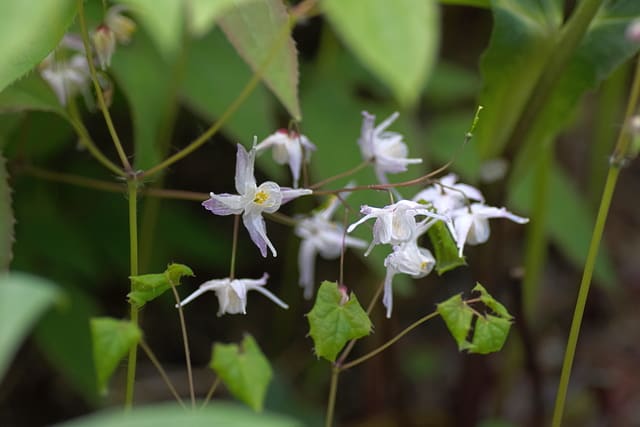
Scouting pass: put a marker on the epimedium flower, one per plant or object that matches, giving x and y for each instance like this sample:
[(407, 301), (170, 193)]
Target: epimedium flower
[(122, 26), (320, 236), (252, 200), (289, 147), (471, 223), (407, 258), (445, 195), (385, 149), (66, 75), (232, 293), (104, 44), (396, 223)]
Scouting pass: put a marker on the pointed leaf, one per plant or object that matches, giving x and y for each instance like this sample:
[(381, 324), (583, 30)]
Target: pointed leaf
[(172, 415), (112, 340), (244, 370), (457, 316), (490, 334), (397, 41), (147, 287), (255, 30), (7, 220), (29, 33), (490, 302), (524, 32), (446, 251), (202, 14), (333, 323), (23, 299)]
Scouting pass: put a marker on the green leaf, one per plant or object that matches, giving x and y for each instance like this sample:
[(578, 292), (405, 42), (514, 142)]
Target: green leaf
[(163, 20), (171, 415), (397, 41), (489, 332), (112, 340), (146, 80), (332, 322), (244, 370), (445, 248), (29, 33), (477, 3), (32, 94), (202, 14), (7, 220), (23, 299), (255, 30), (524, 32), (147, 287), (570, 220)]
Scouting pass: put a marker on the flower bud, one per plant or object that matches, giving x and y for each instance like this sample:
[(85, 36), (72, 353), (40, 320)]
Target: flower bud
[(122, 26), (104, 42), (633, 31)]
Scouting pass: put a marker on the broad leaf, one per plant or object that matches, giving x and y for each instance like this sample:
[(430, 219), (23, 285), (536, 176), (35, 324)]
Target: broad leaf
[(29, 33), (445, 248), (7, 220), (172, 415), (477, 3), (489, 332), (397, 41), (163, 19), (244, 370), (524, 32), (146, 80), (259, 32), (333, 322), (203, 13), (112, 340), (147, 287), (23, 299)]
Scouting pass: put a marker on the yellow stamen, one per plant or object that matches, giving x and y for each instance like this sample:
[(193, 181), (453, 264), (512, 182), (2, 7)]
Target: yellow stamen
[(260, 197)]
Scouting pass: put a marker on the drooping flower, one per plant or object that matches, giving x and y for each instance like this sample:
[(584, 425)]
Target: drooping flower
[(67, 78), (320, 236), (385, 149), (407, 258), (445, 195), (232, 293), (104, 44), (396, 223), (252, 200), (122, 26), (471, 223), (288, 147)]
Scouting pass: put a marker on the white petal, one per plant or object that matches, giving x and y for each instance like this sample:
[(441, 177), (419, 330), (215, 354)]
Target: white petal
[(267, 198), (289, 194), (224, 204), (387, 298), (271, 296), (294, 151), (306, 267), (461, 226), (244, 180), (254, 223)]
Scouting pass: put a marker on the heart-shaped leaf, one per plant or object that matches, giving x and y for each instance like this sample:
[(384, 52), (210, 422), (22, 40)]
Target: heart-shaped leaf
[(147, 287)]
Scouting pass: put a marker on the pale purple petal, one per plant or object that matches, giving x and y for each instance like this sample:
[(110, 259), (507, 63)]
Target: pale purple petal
[(387, 298), (387, 122), (366, 136), (306, 266), (289, 194), (244, 179), (257, 229), (224, 204)]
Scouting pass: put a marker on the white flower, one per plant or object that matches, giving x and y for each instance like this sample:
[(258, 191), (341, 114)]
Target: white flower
[(252, 200), (122, 26), (288, 148), (407, 258), (396, 223), (66, 77), (471, 223), (320, 235), (385, 149), (446, 195), (232, 293), (104, 44)]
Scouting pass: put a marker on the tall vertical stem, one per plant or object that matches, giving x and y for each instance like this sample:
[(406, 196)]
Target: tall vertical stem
[(132, 187)]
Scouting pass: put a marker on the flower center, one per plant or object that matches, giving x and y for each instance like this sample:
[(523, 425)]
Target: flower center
[(260, 197), (423, 265)]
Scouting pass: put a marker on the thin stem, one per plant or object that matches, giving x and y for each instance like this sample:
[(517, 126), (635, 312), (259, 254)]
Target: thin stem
[(132, 187), (333, 391), (615, 164), (94, 77), (392, 341), (185, 341), (212, 390), (154, 360), (234, 247), (341, 175)]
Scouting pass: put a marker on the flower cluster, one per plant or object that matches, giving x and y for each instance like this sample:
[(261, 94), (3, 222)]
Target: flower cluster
[(401, 224)]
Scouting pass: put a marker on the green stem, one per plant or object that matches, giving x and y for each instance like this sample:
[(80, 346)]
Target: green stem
[(154, 360), (536, 242), (132, 187), (389, 343), (234, 247), (333, 391), (94, 77), (596, 237), (616, 162), (341, 175)]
